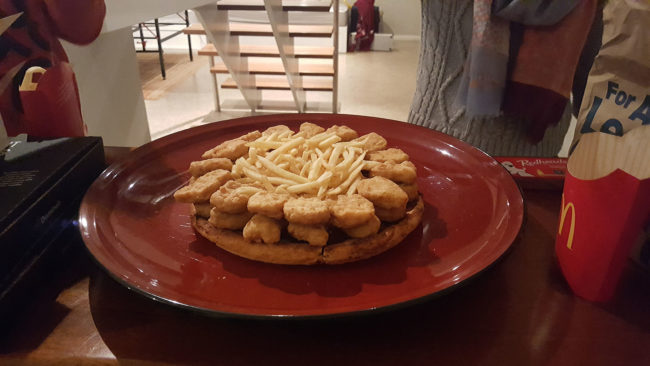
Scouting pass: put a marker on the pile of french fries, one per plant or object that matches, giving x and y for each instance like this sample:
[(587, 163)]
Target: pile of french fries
[(321, 165)]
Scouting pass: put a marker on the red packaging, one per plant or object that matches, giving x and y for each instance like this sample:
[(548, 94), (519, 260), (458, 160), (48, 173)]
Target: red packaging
[(534, 168), (600, 222), (535, 173), (53, 109)]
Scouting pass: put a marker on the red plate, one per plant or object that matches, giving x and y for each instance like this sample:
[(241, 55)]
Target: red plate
[(134, 228)]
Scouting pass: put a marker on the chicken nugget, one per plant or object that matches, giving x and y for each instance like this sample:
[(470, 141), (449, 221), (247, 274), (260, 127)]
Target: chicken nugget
[(231, 149), (222, 220), (372, 142), (401, 173), (395, 155), (261, 228), (306, 211), (351, 211), (390, 214), (233, 197), (202, 209), (382, 193), (273, 129), (410, 189), (268, 203), (309, 129), (315, 235), (371, 227), (198, 168), (202, 188), (344, 132), (251, 136)]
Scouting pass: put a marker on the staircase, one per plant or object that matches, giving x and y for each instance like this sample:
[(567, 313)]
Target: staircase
[(271, 55)]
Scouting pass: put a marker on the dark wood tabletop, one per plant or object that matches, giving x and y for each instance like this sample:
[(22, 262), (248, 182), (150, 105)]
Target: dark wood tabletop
[(519, 312)]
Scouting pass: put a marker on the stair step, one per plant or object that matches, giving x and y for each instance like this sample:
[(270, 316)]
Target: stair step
[(196, 28), (264, 105), (287, 5), (275, 67), (272, 51), (282, 84), (275, 105), (263, 29)]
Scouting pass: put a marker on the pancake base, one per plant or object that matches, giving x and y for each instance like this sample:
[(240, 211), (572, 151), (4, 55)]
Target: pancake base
[(293, 253)]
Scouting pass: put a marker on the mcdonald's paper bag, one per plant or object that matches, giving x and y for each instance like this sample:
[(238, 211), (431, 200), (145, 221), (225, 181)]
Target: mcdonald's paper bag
[(617, 94)]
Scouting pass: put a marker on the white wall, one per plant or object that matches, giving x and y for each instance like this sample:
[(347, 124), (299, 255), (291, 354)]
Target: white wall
[(125, 13), (111, 98), (400, 17), (110, 93), (175, 44)]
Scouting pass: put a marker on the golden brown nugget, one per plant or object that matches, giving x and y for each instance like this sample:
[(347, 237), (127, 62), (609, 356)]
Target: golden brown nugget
[(395, 155), (292, 253), (202, 188), (315, 235), (390, 214), (382, 193), (251, 136), (278, 129), (401, 173), (231, 149), (351, 211), (233, 197), (202, 209), (198, 168), (309, 129), (306, 211), (268, 203), (410, 189), (372, 142), (371, 227), (261, 228), (222, 220), (344, 132)]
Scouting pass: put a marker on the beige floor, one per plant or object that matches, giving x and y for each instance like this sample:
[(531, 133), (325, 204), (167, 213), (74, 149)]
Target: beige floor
[(379, 84)]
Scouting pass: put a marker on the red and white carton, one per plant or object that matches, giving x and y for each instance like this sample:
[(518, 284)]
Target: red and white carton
[(605, 205), (535, 173), (50, 100)]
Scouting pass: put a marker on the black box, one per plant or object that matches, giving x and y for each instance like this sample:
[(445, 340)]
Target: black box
[(39, 198)]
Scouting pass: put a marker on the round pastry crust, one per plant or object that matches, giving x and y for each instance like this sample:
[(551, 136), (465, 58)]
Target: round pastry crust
[(284, 252)]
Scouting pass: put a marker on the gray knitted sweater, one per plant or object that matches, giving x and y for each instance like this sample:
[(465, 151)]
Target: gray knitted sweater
[(446, 36)]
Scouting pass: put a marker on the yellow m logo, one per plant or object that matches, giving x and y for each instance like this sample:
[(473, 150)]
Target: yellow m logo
[(565, 211)]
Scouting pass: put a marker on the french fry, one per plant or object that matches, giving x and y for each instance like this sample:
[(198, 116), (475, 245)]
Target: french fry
[(329, 141), (285, 147), (353, 187), (310, 186), (281, 172)]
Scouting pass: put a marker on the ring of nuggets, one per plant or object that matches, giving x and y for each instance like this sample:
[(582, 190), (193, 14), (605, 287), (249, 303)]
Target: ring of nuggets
[(307, 197)]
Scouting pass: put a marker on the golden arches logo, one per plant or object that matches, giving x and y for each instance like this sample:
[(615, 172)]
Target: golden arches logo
[(565, 211)]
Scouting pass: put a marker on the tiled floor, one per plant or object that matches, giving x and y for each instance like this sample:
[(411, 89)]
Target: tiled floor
[(373, 83)]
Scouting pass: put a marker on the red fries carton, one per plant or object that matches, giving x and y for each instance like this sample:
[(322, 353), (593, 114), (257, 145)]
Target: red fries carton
[(605, 205)]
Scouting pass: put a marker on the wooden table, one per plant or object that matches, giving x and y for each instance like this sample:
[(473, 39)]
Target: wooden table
[(520, 312)]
